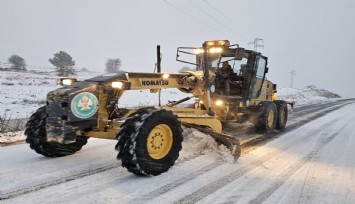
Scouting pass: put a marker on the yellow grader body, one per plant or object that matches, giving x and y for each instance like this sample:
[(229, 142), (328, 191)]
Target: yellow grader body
[(149, 138)]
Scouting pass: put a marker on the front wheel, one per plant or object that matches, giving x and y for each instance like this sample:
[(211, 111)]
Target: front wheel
[(36, 137), (149, 142)]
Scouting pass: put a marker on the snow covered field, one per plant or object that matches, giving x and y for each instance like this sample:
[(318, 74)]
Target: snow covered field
[(24, 92)]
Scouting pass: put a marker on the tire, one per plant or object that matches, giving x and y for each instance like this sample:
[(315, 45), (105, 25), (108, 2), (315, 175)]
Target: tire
[(282, 114), (149, 142), (267, 117), (36, 137)]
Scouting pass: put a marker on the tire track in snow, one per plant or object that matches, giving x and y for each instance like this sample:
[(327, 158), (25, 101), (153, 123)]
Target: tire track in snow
[(311, 157), (166, 188), (31, 189), (179, 182), (305, 117), (306, 188), (316, 111), (50, 183), (176, 183), (319, 106), (219, 183)]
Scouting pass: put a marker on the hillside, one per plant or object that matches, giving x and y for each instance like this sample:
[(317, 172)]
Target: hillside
[(308, 95)]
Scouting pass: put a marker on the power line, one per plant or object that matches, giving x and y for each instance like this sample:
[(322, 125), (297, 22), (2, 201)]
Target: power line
[(196, 19), (226, 17), (214, 19)]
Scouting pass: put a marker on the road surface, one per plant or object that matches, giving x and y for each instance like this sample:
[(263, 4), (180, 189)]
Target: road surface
[(312, 162)]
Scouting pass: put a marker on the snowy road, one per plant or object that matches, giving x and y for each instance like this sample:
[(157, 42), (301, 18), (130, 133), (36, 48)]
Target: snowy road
[(310, 163)]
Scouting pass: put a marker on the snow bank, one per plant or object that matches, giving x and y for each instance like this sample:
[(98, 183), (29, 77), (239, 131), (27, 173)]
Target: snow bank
[(197, 143), (308, 95), (11, 137)]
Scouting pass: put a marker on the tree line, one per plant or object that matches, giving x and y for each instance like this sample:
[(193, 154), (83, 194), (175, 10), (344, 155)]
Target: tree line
[(63, 63)]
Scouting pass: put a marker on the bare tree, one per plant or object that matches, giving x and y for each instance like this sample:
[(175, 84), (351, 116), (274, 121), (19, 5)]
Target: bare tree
[(64, 63), (84, 69), (113, 65), (17, 62), (184, 69)]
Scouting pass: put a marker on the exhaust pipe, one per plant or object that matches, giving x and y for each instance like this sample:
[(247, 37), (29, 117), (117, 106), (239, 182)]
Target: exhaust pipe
[(158, 59)]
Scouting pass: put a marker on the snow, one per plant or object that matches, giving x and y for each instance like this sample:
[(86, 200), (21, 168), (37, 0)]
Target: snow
[(197, 143), (311, 164), (308, 95), (11, 137), (25, 92), (314, 151)]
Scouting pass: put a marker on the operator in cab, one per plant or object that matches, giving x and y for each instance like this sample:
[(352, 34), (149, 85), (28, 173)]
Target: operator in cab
[(224, 75)]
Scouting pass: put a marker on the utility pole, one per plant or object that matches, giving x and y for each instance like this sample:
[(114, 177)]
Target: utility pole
[(256, 44), (293, 72)]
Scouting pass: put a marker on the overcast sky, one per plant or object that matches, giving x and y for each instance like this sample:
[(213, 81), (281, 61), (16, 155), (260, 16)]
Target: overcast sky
[(314, 37)]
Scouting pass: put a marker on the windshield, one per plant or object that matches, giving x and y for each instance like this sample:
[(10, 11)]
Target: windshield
[(236, 65)]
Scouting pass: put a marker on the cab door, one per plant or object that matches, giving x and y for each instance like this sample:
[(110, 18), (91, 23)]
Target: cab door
[(257, 81)]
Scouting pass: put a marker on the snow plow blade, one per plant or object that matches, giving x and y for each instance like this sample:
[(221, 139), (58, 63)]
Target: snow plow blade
[(232, 143)]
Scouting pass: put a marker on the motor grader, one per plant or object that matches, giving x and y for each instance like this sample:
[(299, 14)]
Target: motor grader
[(149, 139)]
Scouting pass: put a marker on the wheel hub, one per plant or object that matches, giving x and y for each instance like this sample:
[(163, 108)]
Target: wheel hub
[(271, 118), (282, 116), (159, 141)]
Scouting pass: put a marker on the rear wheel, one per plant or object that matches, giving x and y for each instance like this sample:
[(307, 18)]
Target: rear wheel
[(149, 142), (282, 114), (36, 137), (267, 117)]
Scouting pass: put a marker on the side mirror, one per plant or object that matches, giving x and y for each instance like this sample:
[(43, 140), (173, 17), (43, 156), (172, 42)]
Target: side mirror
[(266, 70)]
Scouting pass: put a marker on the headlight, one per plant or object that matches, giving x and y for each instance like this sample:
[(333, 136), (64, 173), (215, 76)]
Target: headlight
[(216, 50), (219, 103), (117, 84), (224, 43), (199, 51), (166, 76), (67, 81)]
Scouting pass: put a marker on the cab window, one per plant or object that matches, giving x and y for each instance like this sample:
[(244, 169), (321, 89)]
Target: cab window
[(261, 65), (260, 73), (235, 64)]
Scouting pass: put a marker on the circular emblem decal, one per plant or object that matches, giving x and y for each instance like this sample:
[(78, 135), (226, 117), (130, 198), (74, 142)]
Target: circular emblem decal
[(213, 88), (84, 105)]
